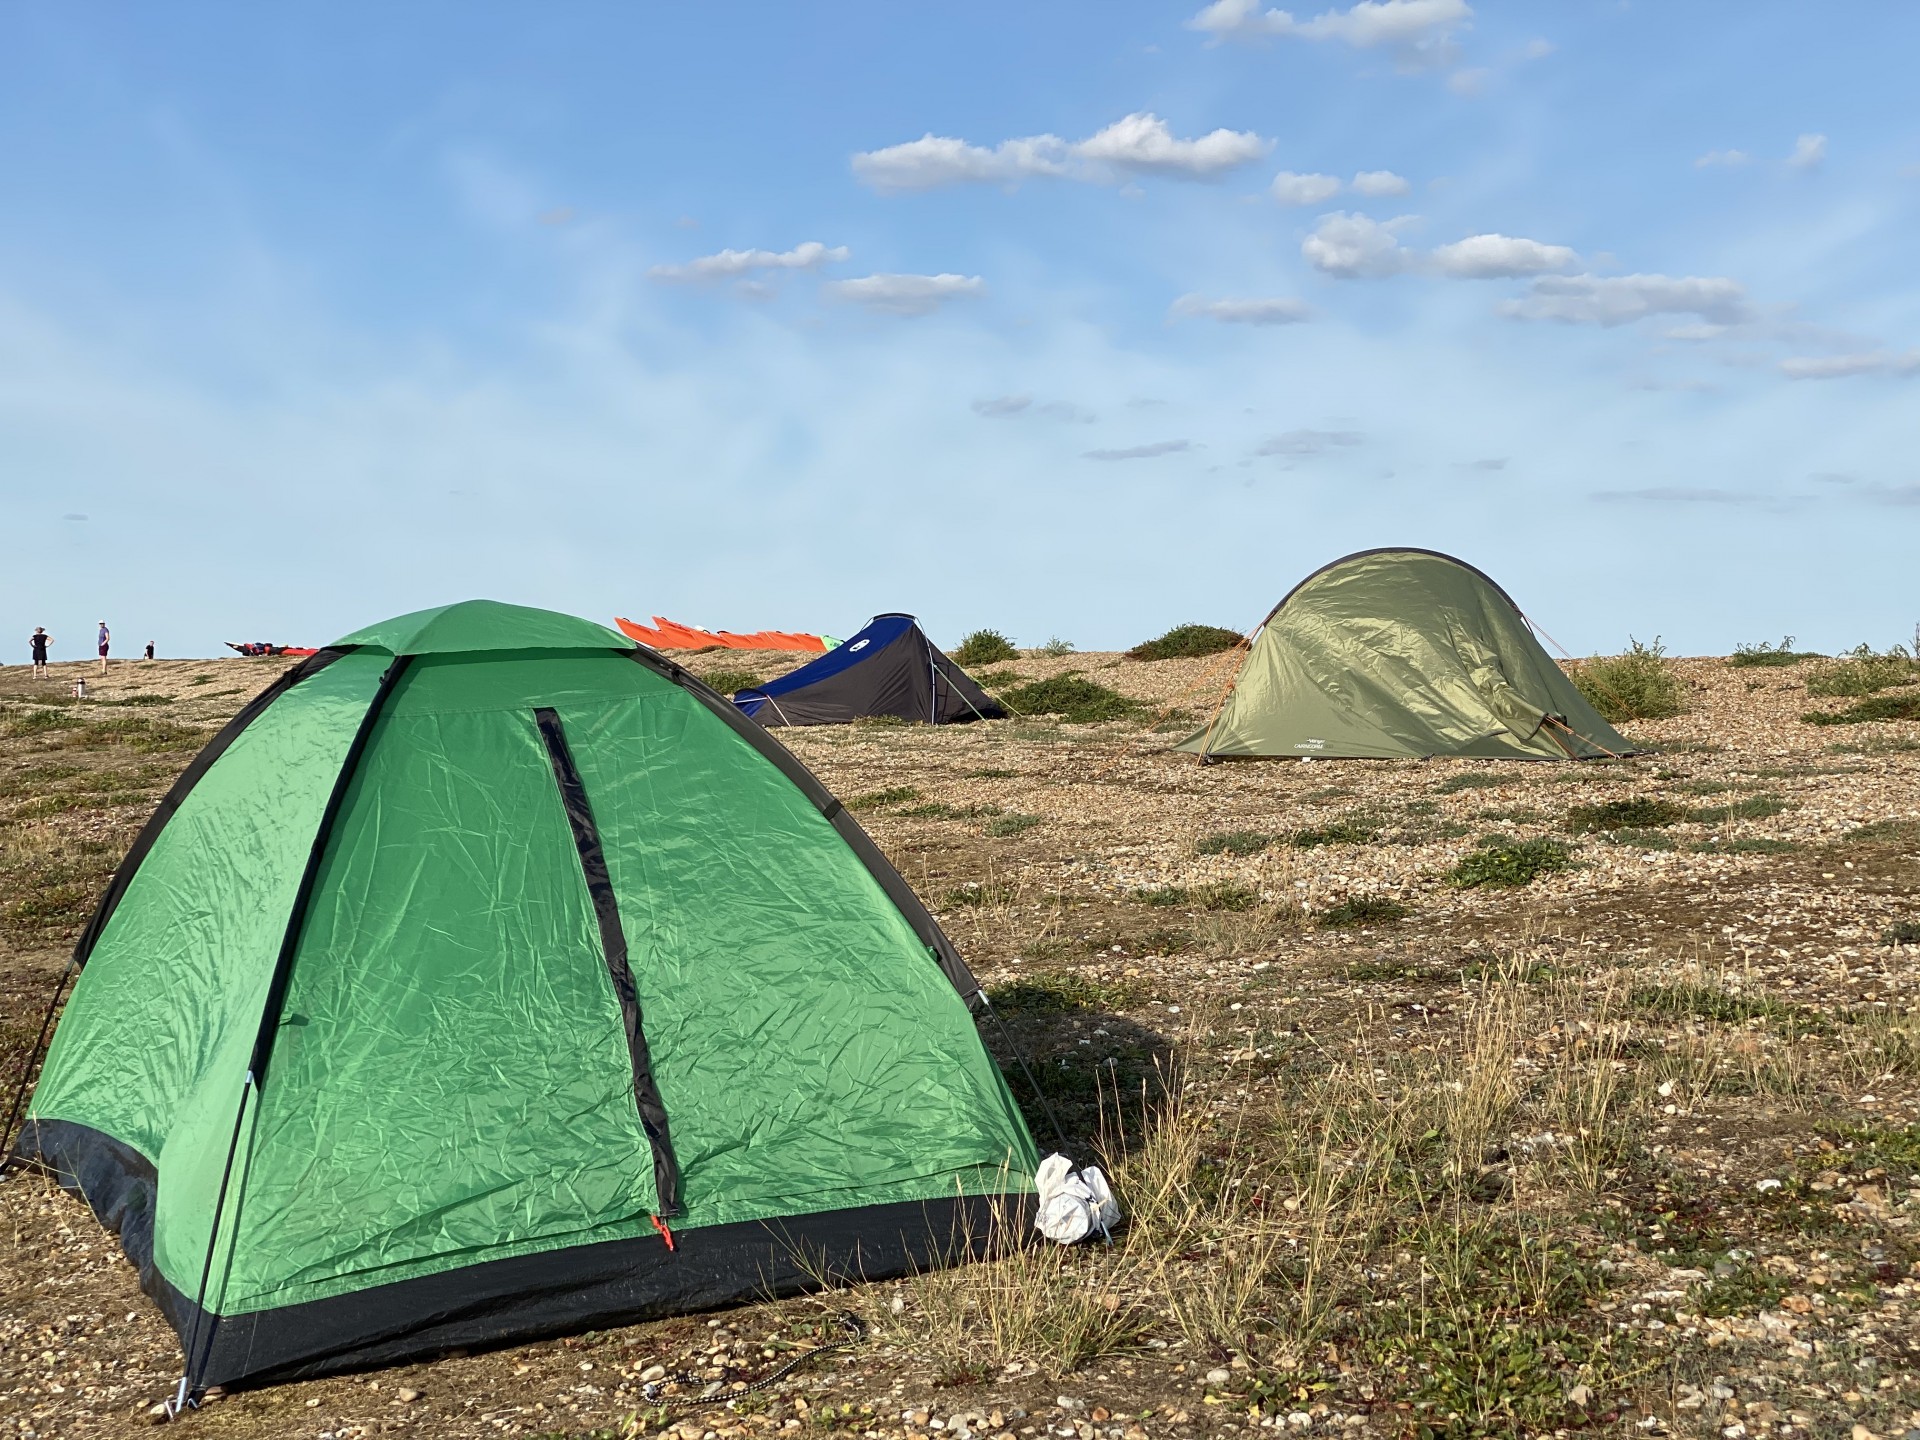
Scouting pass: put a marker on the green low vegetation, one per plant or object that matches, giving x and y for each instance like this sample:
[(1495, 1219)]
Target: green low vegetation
[(1074, 698), (1469, 780), (1362, 910), (1751, 807), (1874, 707), (1348, 830), (1862, 671), (1233, 842), (985, 647), (731, 682), (1640, 813), (1765, 655), (1003, 826), (1506, 863), (1217, 896), (1056, 648), (1639, 684), (1901, 932), (1186, 642), (1056, 992), (882, 799)]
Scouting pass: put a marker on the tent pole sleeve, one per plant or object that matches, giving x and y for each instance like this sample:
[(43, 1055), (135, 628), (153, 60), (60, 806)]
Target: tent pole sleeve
[(861, 843), (613, 948)]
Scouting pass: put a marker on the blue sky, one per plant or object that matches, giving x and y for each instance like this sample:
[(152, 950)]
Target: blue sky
[(1074, 320)]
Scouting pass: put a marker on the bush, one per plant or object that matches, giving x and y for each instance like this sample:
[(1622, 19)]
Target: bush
[(880, 799), (1861, 672), (1637, 685), (1217, 896), (1753, 807), (1639, 813), (732, 682), (1061, 992), (1509, 863), (1186, 642), (1771, 655), (985, 647), (1006, 825), (1874, 707), (1056, 648), (1903, 932), (1073, 697)]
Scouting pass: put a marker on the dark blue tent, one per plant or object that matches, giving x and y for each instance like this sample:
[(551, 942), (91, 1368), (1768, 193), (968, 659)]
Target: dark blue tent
[(889, 668)]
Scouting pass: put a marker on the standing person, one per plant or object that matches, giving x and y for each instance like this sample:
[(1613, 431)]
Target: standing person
[(106, 637), (40, 640), (149, 654)]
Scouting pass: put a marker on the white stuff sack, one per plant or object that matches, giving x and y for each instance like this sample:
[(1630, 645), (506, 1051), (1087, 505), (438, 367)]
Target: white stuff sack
[(1073, 1204)]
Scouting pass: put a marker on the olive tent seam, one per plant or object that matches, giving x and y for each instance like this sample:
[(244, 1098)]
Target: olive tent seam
[(177, 794), (831, 810), (613, 946)]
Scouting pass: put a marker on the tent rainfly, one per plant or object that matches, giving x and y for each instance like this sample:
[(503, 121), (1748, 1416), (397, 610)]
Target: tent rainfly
[(889, 668), (1393, 653), (490, 977)]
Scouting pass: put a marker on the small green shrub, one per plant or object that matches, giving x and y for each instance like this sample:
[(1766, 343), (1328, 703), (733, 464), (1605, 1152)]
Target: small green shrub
[(1639, 839), (731, 682), (1362, 910), (1007, 825), (1074, 698), (1704, 1002), (1745, 845), (991, 774), (1742, 1290), (985, 647), (1885, 831), (1874, 707), (941, 810), (1753, 807), (1059, 992), (1902, 932), (1186, 642), (1879, 745), (993, 892), (1771, 655), (881, 799), (1216, 896), (1637, 685), (1862, 672), (1507, 863), (1468, 780), (1348, 830), (1056, 648), (1233, 842), (1640, 813)]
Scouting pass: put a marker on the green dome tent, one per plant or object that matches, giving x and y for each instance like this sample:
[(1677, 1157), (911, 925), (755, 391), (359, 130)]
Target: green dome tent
[(1394, 653), (491, 977)]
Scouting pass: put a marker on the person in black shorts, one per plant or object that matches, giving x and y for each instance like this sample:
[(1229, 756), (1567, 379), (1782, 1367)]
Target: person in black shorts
[(39, 640), (149, 654), (106, 638)]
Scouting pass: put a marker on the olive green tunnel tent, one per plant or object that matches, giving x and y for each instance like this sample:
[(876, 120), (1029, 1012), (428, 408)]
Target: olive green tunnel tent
[(1394, 653), (490, 977)]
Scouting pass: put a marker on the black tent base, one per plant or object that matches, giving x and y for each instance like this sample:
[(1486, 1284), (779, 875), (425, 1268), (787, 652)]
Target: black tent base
[(527, 1297)]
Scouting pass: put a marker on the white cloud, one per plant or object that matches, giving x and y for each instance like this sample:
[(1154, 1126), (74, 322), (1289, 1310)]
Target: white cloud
[(1275, 311), (1539, 49), (1355, 247), (905, 294), (1068, 411), (1694, 334), (1491, 257), (1136, 144), (731, 264), (1839, 367), (1622, 299), (1001, 406), (1808, 152), (1142, 142), (1142, 452), (1380, 182), (1308, 442), (1730, 158), (1469, 82), (1417, 29), (1005, 407), (1292, 189)]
